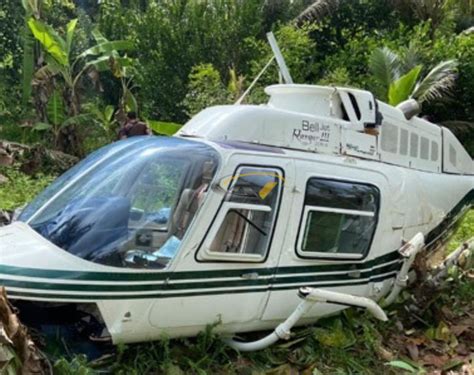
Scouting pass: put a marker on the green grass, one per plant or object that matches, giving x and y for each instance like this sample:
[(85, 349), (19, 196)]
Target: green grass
[(464, 230), (20, 188)]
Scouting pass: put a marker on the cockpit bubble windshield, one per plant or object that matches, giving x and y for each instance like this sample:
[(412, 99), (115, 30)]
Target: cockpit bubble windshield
[(129, 204)]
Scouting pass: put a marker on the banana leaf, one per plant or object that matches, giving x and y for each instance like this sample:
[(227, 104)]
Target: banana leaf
[(402, 88), (55, 109), (40, 126), (71, 26), (163, 128), (50, 40), (108, 47)]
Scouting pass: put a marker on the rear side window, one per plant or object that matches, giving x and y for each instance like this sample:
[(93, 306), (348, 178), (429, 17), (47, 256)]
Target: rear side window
[(339, 219)]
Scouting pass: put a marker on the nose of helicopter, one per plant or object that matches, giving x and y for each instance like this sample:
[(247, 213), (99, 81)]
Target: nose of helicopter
[(21, 247), (31, 267)]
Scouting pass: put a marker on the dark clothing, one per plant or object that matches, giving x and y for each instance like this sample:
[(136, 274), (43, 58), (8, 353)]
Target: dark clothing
[(133, 128)]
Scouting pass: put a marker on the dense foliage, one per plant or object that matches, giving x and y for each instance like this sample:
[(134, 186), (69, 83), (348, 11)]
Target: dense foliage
[(173, 58)]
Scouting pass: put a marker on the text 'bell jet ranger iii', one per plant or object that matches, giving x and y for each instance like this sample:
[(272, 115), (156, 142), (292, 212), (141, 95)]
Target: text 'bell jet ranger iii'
[(258, 217)]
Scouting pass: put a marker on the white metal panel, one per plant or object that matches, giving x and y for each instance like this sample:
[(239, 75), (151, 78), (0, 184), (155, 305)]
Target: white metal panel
[(410, 144), (311, 118), (267, 126), (308, 99), (21, 246), (203, 310), (283, 303), (327, 101), (455, 157), (359, 144)]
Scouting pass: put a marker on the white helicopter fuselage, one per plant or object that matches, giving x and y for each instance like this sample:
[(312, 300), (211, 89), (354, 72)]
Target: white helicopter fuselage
[(344, 201)]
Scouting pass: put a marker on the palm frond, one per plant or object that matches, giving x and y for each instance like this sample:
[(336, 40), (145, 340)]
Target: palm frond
[(384, 64), (411, 57), (434, 10), (317, 11), (438, 82)]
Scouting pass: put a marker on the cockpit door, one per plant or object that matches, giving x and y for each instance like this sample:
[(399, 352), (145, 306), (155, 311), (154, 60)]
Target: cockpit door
[(227, 264)]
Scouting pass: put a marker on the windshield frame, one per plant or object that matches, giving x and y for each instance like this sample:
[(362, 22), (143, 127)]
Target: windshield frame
[(129, 182)]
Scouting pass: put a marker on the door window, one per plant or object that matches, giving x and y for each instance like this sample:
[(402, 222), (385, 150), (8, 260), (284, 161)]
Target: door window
[(243, 228), (339, 219)]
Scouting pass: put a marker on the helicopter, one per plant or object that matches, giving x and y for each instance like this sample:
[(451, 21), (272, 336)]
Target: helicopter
[(258, 217)]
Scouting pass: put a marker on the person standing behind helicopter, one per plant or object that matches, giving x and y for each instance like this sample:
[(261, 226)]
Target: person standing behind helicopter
[(133, 127)]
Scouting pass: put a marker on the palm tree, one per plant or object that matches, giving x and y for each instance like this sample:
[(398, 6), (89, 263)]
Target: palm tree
[(398, 79), (434, 11), (317, 11)]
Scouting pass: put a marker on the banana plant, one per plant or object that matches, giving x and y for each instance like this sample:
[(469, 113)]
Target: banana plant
[(57, 117), (32, 9), (122, 68), (60, 59), (400, 78), (63, 61), (104, 118)]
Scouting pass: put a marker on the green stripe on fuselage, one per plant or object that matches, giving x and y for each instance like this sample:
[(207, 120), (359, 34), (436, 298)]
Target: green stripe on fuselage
[(191, 275), (199, 285), (61, 296)]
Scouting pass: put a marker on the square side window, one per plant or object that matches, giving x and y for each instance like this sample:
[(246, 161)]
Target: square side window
[(330, 232), (339, 219)]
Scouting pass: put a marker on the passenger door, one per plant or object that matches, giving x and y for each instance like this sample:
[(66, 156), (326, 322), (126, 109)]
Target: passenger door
[(331, 228)]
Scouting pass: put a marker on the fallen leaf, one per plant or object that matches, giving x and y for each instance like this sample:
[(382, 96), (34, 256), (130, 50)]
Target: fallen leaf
[(434, 360), (402, 365), (413, 351), (311, 370), (442, 332), (452, 364), (447, 312), (384, 353), (418, 340), (283, 370), (462, 350), (459, 329), (174, 370)]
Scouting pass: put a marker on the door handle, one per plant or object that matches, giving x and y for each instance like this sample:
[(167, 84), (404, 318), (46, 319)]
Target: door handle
[(250, 276)]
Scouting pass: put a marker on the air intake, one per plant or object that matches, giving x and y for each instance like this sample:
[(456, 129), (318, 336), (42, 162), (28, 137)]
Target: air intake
[(410, 108)]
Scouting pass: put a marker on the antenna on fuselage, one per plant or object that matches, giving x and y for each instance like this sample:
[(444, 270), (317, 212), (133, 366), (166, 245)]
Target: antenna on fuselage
[(285, 73)]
